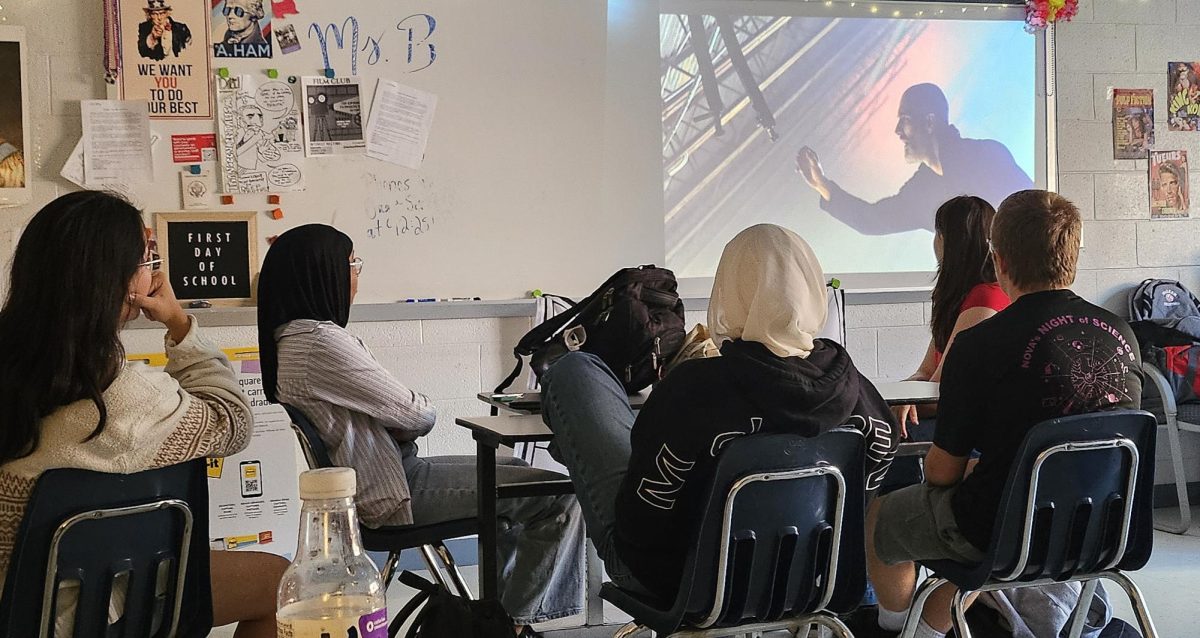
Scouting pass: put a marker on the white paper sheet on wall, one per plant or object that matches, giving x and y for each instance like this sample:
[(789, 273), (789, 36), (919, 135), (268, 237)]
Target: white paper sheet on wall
[(116, 141), (400, 122)]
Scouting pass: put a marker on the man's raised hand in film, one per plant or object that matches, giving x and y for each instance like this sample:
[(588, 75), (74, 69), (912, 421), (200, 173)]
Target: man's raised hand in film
[(808, 165)]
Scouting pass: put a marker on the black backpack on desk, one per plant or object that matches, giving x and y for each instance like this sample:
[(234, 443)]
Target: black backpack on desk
[(634, 322)]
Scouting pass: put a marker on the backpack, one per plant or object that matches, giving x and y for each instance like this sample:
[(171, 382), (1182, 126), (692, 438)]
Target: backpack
[(1167, 303), (1165, 318), (445, 615), (634, 322)]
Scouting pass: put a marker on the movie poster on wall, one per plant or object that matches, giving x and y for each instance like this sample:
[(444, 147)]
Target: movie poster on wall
[(14, 117), (1133, 123), (1183, 91), (241, 28), (164, 57), (1168, 184)]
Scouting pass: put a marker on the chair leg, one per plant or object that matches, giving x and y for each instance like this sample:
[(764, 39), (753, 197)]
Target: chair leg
[(1136, 600), (927, 587), (389, 569), (431, 562), (1185, 507), (834, 624), (959, 617), (452, 570), (1079, 616), (628, 629)]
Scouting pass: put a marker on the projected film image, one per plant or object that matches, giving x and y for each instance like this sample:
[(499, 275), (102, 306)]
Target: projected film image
[(850, 131)]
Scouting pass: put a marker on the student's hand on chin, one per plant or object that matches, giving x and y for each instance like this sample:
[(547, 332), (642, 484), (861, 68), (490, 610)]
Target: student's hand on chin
[(160, 303)]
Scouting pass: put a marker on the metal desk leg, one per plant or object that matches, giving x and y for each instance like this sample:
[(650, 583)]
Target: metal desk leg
[(489, 578), (595, 577)]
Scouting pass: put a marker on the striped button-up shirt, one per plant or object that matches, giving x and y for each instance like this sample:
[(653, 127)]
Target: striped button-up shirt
[(365, 417)]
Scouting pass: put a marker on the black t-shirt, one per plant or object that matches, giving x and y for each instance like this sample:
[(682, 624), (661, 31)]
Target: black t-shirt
[(1049, 354)]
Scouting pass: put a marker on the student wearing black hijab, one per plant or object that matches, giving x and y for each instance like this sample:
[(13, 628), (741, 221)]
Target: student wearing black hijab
[(370, 421)]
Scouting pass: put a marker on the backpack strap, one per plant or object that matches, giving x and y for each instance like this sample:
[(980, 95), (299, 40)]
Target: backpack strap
[(407, 612), (539, 335)]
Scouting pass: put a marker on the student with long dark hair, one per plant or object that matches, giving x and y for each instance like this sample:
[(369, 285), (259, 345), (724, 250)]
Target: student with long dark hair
[(371, 422), (82, 269), (965, 292)]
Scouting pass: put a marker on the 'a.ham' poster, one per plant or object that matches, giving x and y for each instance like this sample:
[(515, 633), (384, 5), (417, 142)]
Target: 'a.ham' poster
[(164, 57)]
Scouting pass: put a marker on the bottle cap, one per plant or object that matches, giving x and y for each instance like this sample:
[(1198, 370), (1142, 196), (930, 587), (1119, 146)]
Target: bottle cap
[(327, 482)]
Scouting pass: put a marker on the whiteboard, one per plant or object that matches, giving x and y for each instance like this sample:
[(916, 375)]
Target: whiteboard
[(542, 168)]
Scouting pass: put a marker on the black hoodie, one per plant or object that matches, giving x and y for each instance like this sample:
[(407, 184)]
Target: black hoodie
[(705, 403)]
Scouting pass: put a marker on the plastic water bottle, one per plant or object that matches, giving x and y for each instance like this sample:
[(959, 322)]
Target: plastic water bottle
[(332, 589)]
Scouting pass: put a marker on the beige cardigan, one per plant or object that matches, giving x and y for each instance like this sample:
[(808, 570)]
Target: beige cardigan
[(155, 418)]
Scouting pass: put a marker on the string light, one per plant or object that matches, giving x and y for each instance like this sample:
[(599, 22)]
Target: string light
[(874, 9), (896, 14)]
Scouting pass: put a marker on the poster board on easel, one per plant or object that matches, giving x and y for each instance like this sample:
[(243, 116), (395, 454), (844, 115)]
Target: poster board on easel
[(254, 495)]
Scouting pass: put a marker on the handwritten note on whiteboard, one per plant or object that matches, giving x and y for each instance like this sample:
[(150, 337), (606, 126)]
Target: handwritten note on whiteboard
[(398, 128)]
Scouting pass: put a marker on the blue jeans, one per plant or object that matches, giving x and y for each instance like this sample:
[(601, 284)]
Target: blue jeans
[(585, 406), (540, 545)]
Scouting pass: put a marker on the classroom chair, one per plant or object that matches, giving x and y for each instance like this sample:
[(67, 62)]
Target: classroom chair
[(779, 545), (91, 527), (1077, 507), (429, 539), (1178, 418)]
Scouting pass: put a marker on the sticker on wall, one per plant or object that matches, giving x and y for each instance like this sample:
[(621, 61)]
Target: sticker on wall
[(1168, 184), (1133, 122), (241, 29), (1183, 89), (284, 8), (289, 42), (164, 59)]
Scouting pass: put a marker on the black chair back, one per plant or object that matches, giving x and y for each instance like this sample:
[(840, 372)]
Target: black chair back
[(310, 440), (91, 527), (781, 535), (1077, 501)]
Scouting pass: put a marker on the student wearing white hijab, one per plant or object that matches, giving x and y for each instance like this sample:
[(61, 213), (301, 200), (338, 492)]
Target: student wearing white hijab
[(773, 375)]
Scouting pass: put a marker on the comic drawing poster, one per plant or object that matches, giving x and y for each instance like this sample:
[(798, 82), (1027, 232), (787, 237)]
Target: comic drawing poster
[(1168, 184), (258, 141), (333, 118), (1133, 123), (1183, 91), (164, 57), (14, 117), (241, 28)]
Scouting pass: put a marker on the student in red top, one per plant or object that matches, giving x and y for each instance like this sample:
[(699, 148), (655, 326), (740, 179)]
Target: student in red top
[(965, 292)]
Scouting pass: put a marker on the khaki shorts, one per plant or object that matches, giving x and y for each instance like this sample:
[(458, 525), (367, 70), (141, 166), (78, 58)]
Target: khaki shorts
[(917, 523)]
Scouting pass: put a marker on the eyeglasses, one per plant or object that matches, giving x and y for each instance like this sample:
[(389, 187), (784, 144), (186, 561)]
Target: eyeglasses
[(356, 265), (154, 263), (237, 11)]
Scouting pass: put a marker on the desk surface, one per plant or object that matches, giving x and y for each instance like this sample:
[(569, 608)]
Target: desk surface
[(531, 402), (906, 392), (523, 428)]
